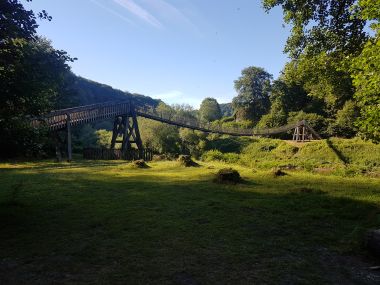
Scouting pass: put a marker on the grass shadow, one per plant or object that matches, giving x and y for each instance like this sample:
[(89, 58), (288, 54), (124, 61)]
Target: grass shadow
[(149, 226)]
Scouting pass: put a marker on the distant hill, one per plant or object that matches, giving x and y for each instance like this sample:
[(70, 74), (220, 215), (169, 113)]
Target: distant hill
[(226, 109), (91, 92)]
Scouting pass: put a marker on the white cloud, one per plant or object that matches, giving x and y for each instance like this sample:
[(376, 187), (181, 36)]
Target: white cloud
[(140, 12), (170, 12), (112, 11)]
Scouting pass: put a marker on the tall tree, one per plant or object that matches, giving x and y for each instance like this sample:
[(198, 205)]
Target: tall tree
[(209, 110), (253, 88), (321, 25), (33, 76), (325, 36), (366, 73)]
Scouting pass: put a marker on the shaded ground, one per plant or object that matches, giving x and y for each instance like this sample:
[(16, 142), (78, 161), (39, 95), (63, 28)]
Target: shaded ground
[(109, 223)]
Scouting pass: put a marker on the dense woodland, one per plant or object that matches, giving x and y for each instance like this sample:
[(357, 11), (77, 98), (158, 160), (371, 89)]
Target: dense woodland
[(332, 80)]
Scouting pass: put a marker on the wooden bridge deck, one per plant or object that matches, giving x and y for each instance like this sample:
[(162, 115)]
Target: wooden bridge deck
[(58, 120)]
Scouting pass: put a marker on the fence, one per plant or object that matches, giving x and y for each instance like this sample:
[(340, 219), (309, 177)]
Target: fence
[(115, 154)]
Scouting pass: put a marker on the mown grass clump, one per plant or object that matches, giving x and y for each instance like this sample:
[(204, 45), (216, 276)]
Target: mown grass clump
[(228, 176), (186, 161), (140, 164)]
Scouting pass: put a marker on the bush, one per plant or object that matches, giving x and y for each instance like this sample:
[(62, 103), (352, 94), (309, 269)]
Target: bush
[(216, 155)]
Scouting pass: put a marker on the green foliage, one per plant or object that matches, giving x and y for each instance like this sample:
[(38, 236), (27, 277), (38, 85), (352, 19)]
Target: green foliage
[(253, 88), (209, 110), (275, 118), (158, 136), (91, 92), (165, 111), (344, 125), (321, 26), (288, 93), (184, 112), (84, 137), (227, 144), (216, 155), (366, 75), (231, 123), (324, 78), (104, 138), (192, 142), (34, 77), (334, 58), (226, 109), (347, 157), (358, 152)]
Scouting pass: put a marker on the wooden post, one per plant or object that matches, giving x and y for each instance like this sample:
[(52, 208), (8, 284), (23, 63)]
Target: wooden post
[(137, 131), (68, 126), (303, 133), (58, 146), (126, 145), (115, 132)]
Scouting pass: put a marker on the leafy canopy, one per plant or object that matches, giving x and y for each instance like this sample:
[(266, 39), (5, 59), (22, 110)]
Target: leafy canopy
[(253, 88), (209, 110), (321, 25)]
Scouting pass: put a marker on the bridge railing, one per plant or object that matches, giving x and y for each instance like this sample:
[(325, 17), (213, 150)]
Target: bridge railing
[(59, 119), (208, 127)]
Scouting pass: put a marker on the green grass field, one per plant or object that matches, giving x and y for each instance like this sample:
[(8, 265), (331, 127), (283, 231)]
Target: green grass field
[(109, 223)]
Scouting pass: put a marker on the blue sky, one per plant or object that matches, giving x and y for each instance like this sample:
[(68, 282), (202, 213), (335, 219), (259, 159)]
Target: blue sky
[(180, 51)]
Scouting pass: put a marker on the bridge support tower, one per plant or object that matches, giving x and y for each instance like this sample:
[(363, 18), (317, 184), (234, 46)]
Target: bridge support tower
[(62, 140), (303, 132), (126, 132)]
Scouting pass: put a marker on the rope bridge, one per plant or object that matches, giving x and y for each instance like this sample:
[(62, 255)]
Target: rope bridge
[(126, 126)]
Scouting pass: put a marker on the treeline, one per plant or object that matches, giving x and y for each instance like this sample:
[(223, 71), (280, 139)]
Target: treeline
[(90, 92), (333, 76), (36, 78)]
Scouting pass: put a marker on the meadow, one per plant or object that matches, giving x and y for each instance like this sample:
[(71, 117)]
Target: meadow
[(106, 222)]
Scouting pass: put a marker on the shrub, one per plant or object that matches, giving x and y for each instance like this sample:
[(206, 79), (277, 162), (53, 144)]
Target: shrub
[(216, 155)]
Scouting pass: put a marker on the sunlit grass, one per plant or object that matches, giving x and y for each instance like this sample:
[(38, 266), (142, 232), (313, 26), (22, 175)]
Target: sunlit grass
[(108, 222)]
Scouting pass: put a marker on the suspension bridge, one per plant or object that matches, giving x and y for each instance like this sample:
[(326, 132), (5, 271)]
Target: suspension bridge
[(126, 131)]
